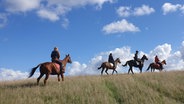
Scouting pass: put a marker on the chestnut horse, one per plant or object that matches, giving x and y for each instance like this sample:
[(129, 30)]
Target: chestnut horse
[(133, 63), (154, 66), (108, 65), (48, 68)]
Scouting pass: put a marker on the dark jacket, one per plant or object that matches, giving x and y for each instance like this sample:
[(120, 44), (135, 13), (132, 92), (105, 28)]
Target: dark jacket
[(55, 55), (136, 56), (111, 59)]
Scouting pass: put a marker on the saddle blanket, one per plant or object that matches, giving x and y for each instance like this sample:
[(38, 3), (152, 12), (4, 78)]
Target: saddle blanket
[(111, 64), (56, 65)]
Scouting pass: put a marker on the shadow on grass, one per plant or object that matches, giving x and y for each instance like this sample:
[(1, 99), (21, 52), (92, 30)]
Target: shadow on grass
[(23, 85)]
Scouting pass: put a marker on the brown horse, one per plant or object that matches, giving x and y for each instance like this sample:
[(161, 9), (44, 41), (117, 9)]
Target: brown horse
[(108, 65), (48, 68), (154, 66)]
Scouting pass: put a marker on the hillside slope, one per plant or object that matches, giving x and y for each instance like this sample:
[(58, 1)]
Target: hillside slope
[(146, 88)]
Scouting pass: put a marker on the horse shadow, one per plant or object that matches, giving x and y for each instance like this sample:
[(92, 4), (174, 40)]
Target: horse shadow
[(22, 85)]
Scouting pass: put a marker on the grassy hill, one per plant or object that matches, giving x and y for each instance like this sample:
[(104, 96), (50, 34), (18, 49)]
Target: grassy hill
[(146, 88)]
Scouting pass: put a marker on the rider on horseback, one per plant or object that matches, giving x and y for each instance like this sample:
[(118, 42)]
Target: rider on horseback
[(55, 55), (157, 61), (111, 59), (136, 58)]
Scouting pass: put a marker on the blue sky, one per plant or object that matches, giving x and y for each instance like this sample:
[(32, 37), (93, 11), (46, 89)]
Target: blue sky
[(89, 30)]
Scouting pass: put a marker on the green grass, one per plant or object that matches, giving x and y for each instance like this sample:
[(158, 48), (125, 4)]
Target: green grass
[(146, 88)]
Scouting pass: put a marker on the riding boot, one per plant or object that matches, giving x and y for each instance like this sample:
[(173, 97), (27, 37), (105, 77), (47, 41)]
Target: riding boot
[(61, 68), (114, 66)]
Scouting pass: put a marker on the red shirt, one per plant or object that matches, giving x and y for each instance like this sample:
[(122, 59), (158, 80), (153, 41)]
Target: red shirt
[(156, 59)]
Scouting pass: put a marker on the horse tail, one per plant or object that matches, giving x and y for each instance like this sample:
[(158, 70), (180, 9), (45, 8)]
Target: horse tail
[(100, 67), (148, 67), (33, 70), (125, 64)]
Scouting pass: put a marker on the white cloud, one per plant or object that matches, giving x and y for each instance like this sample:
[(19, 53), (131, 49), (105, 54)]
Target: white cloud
[(3, 19), (21, 5), (144, 10), (168, 8), (174, 60), (125, 11), (9, 74), (120, 27), (163, 51), (78, 3), (51, 10), (46, 14)]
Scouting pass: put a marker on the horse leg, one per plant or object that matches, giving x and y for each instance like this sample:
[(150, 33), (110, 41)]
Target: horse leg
[(62, 76), (102, 71), (58, 77), (38, 79), (131, 70), (46, 77), (113, 72), (140, 70), (116, 71), (106, 71), (128, 70)]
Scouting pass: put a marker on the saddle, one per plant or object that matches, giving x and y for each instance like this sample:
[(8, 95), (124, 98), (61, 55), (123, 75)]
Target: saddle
[(157, 65), (137, 62)]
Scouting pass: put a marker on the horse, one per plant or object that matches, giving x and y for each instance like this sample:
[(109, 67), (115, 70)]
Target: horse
[(108, 65), (154, 66), (133, 63), (52, 68)]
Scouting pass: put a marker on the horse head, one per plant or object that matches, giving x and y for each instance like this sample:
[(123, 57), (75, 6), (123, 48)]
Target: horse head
[(118, 60), (144, 57), (68, 58), (164, 62)]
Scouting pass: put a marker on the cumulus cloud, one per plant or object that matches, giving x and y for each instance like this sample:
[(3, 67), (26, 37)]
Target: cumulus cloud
[(174, 60), (125, 11), (144, 10), (51, 10), (9, 74), (46, 14), (163, 51), (169, 8), (120, 27), (21, 5)]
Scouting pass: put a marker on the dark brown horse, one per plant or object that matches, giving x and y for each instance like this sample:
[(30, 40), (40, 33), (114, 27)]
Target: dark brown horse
[(108, 65), (48, 68), (133, 63), (154, 66)]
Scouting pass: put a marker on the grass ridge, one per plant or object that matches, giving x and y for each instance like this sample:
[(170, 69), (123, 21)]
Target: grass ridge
[(145, 88)]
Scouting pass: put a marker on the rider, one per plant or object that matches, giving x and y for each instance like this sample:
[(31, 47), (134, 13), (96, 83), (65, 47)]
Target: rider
[(111, 59), (136, 57), (157, 61), (55, 55)]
